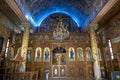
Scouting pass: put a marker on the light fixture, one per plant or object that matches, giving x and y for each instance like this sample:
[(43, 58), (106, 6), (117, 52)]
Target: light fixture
[(60, 32)]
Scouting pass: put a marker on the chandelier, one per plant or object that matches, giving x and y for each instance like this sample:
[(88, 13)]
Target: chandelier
[(61, 32)]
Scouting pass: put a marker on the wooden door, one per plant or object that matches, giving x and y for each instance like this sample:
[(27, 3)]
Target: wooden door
[(59, 65)]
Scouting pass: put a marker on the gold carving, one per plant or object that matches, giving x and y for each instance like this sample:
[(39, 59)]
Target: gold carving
[(25, 42), (94, 47)]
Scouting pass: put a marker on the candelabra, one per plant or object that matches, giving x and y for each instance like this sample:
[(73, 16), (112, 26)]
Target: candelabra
[(61, 32)]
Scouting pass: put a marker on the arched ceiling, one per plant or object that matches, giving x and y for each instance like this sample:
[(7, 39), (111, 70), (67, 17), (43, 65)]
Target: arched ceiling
[(52, 21), (40, 9), (81, 11)]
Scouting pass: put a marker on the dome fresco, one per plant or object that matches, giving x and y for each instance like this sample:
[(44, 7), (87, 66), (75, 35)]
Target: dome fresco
[(81, 11), (52, 21)]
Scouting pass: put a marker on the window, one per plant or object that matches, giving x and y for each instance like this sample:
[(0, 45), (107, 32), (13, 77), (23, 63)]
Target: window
[(110, 48), (6, 50)]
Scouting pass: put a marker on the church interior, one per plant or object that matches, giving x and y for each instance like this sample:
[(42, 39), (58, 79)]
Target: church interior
[(59, 39)]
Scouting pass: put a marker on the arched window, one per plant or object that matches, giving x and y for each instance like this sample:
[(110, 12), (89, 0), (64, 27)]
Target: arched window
[(7, 46), (110, 48)]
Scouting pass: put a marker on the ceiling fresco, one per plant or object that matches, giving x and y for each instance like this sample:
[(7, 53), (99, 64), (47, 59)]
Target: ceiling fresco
[(52, 21), (81, 11)]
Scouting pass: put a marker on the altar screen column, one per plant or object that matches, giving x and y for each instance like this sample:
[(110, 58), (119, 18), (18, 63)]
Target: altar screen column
[(96, 63), (25, 43)]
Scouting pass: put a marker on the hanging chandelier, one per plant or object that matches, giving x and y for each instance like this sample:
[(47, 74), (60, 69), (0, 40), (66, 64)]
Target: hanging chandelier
[(61, 32)]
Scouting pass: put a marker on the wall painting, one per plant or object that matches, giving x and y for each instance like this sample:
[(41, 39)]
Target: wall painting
[(71, 54), (80, 56), (88, 54), (46, 55), (29, 54), (38, 54)]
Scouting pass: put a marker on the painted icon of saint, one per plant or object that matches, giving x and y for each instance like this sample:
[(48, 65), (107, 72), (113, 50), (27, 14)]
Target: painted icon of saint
[(47, 55), (38, 55), (63, 59), (80, 54), (107, 53), (88, 53), (71, 54), (29, 54)]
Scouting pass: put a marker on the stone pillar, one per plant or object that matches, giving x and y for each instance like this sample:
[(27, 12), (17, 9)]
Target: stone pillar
[(25, 44), (96, 63)]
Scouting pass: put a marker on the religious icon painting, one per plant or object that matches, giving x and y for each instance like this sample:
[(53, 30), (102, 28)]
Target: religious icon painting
[(62, 71), (63, 59), (29, 54), (55, 71), (38, 54), (99, 54), (46, 37), (107, 53), (80, 56), (88, 54), (71, 54), (10, 53), (41, 37), (46, 55)]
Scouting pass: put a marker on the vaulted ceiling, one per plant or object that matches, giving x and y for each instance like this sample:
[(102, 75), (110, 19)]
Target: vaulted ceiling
[(82, 12)]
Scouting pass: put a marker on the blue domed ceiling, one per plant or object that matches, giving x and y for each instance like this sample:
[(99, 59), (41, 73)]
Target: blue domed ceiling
[(52, 21), (81, 11)]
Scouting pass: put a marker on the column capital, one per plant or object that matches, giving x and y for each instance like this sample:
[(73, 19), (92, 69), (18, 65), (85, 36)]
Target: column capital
[(94, 26), (25, 25)]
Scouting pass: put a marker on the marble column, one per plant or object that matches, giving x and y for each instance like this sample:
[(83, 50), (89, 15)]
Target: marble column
[(25, 44), (96, 63)]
